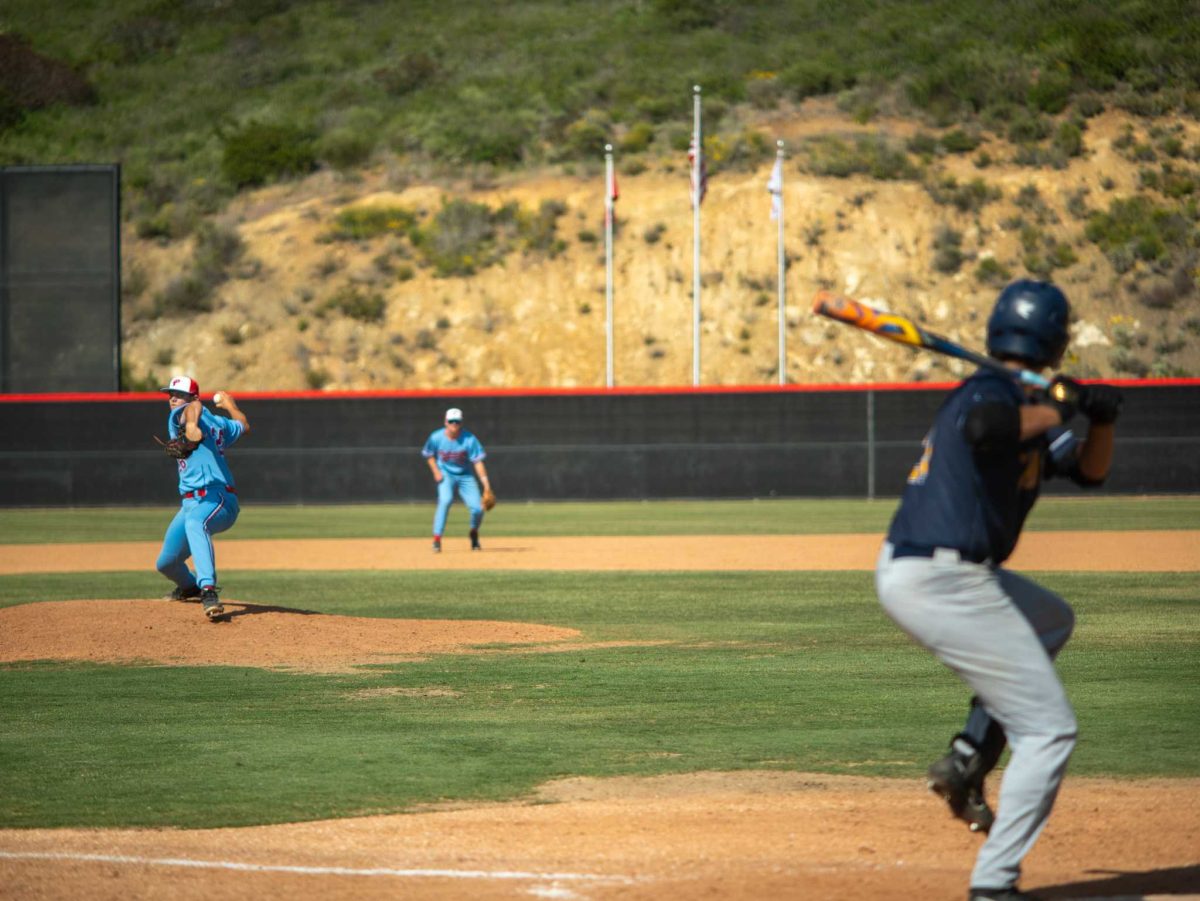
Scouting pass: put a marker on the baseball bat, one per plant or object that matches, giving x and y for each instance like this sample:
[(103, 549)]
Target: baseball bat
[(903, 330)]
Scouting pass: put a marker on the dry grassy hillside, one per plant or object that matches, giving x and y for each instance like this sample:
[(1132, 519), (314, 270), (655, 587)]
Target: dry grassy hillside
[(538, 320)]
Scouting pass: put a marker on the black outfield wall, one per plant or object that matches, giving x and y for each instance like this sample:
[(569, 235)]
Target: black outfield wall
[(792, 442)]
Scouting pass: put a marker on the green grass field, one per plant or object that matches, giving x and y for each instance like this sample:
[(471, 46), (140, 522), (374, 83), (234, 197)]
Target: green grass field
[(794, 671), (764, 517)]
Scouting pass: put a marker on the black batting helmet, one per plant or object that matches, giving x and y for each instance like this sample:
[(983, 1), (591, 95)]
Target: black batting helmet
[(1029, 322)]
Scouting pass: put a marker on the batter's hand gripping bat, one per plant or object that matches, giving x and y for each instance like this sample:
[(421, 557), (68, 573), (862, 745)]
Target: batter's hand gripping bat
[(903, 330)]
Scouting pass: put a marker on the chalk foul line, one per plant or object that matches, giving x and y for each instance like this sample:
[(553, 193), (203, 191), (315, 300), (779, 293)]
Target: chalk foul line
[(310, 871)]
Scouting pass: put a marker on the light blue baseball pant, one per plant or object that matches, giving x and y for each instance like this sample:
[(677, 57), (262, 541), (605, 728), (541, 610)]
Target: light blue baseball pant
[(190, 535), (999, 632), (468, 490)]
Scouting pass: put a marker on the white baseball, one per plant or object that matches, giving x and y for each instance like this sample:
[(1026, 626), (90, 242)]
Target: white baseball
[(219, 398)]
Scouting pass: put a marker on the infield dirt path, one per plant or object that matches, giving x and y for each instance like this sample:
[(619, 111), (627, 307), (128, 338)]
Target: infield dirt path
[(1146, 551), (737, 836)]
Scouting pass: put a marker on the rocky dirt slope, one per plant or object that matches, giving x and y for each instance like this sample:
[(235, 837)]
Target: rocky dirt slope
[(539, 321)]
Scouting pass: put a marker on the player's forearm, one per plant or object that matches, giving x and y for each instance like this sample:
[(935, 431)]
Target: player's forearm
[(482, 473), (433, 468), (225, 401), (191, 422), (237, 415), (1096, 455)]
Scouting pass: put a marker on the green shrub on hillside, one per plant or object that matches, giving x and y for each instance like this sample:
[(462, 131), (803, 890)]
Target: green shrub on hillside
[(409, 73), (352, 301), (586, 136), (814, 75), (1050, 90), (991, 271), (217, 248), (1028, 127), (476, 127), (259, 152), (465, 237), (969, 79), (1136, 229), (462, 238), (637, 138), (960, 140), (923, 144), (344, 148), (451, 85), (970, 197), (361, 223), (538, 231), (947, 245), (872, 155)]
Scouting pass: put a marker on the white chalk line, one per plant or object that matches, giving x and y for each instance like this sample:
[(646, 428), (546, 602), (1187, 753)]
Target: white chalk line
[(309, 871)]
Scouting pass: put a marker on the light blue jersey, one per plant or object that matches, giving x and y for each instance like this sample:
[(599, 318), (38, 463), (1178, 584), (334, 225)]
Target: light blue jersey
[(454, 458), (208, 503), (206, 466)]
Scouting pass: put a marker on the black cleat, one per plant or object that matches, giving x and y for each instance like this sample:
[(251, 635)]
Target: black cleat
[(475, 545), (1000, 894), (947, 778), (185, 594), (437, 545), (211, 603)]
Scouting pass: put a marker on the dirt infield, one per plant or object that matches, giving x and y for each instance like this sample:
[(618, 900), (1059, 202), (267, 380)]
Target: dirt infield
[(739, 836), (1144, 551)]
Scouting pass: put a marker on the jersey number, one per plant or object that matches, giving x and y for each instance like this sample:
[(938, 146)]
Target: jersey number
[(920, 471)]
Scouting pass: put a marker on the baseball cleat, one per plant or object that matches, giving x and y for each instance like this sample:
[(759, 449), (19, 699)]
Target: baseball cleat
[(475, 545), (211, 603), (1012, 893), (947, 779), (185, 594), (437, 545)]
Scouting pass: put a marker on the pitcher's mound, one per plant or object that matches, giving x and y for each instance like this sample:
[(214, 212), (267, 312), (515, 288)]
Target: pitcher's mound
[(168, 632)]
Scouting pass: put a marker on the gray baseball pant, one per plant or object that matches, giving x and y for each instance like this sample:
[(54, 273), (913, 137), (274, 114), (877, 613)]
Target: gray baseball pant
[(999, 632)]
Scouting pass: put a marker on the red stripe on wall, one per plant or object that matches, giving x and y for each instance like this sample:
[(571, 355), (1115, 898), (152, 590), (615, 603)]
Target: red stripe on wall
[(548, 392)]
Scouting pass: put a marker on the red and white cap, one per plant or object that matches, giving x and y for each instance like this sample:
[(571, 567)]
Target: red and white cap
[(181, 384)]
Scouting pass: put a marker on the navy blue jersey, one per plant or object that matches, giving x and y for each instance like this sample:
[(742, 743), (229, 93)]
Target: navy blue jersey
[(977, 502)]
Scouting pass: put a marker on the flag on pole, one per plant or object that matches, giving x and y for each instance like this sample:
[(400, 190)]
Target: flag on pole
[(692, 172), (610, 209), (775, 186)]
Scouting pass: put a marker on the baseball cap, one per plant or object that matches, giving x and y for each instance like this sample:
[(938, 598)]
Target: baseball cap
[(454, 414), (183, 385)]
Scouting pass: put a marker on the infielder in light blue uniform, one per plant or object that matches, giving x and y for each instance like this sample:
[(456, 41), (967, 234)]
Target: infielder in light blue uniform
[(452, 453), (206, 485)]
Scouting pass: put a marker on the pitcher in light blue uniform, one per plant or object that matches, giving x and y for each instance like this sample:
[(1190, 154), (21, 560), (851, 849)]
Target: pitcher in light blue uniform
[(206, 486), (452, 453)]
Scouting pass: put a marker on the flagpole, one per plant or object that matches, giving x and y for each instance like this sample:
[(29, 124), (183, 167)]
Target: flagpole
[(608, 265), (782, 273), (696, 195)]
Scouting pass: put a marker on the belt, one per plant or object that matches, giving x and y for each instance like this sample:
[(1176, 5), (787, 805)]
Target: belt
[(200, 492), (917, 550)]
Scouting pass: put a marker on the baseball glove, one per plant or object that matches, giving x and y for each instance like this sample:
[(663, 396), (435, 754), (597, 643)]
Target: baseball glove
[(180, 448), (489, 499)]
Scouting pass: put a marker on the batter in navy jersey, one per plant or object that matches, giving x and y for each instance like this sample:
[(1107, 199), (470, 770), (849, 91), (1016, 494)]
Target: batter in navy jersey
[(940, 574), (206, 486), (455, 458)]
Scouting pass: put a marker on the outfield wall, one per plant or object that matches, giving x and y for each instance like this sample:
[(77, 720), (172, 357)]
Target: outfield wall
[(798, 441)]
